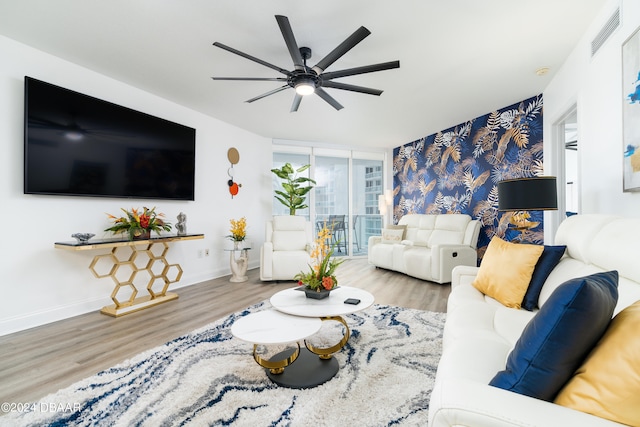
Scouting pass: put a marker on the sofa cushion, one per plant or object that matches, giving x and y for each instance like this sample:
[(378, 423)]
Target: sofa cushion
[(289, 240), (608, 383), (506, 269), (449, 229), (548, 260), (555, 342)]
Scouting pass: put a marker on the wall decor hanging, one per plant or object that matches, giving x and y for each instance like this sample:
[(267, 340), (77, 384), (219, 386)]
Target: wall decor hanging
[(234, 157), (458, 169), (631, 112)]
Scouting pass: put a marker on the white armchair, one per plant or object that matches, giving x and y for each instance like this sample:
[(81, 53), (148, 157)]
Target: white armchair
[(286, 248)]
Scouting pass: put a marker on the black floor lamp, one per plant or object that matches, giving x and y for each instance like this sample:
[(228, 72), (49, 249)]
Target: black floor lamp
[(527, 194)]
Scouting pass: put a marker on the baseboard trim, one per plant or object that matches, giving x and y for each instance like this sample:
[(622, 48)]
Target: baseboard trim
[(38, 318)]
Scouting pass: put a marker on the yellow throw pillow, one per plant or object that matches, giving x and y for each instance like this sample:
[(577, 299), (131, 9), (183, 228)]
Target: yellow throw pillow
[(506, 270), (608, 382)]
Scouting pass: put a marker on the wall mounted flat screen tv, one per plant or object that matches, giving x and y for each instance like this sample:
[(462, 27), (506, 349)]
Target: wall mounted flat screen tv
[(78, 145)]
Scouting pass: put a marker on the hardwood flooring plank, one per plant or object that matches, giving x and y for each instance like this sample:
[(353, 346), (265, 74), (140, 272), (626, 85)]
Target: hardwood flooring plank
[(41, 360)]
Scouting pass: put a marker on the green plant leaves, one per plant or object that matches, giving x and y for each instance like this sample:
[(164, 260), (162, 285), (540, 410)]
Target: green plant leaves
[(295, 187)]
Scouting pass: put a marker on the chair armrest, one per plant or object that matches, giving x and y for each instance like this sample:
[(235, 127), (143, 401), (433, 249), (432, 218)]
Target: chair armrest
[(459, 402), (266, 261), (445, 257)]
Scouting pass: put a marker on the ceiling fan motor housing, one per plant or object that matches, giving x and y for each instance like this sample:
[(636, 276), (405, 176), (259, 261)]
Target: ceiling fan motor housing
[(307, 80)]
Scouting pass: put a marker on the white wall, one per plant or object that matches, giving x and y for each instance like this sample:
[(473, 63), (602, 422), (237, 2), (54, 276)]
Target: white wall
[(595, 86), (39, 283)]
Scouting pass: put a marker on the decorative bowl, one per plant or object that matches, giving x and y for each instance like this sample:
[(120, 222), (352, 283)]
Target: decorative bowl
[(83, 238)]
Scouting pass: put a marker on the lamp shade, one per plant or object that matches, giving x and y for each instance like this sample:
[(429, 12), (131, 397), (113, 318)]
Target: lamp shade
[(528, 194)]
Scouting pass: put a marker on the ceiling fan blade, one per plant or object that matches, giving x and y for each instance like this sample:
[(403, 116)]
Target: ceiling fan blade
[(324, 95), (361, 70), (290, 40), (296, 103), (342, 48), (271, 92), (253, 79), (353, 88), (251, 58)]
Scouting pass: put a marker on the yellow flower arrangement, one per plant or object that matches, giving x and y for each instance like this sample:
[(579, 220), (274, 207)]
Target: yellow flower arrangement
[(322, 271), (238, 229)]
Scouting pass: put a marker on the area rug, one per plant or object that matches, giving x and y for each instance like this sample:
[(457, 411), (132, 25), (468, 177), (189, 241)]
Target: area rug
[(208, 378)]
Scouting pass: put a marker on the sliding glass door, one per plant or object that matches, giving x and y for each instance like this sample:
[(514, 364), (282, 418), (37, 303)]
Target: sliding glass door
[(345, 196), (366, 220), (332, 199)]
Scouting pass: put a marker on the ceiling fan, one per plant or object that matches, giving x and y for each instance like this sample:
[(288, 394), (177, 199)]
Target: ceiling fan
[(308, 80)]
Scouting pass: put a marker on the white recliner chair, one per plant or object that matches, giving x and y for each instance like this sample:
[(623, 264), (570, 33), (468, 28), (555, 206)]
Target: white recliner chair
[(287, 246)]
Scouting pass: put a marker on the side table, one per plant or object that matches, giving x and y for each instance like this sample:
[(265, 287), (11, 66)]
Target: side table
[(238, 264), (131, 261)]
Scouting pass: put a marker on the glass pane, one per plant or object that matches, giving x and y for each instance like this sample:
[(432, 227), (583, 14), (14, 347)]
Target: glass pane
[(297, 161), (366, 220), (332, 199)]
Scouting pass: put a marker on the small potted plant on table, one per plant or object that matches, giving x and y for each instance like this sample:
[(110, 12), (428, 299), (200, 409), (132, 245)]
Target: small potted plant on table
[(139, 225), (320, 280)]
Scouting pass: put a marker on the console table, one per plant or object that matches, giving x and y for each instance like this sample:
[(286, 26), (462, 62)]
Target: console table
[(129, 261)]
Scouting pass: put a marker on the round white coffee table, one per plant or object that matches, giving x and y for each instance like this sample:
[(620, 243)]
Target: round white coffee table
[(293, 301), (272, 327)]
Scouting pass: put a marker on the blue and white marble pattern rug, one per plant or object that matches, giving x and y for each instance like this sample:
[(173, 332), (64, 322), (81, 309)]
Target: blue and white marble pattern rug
[(209, 378)]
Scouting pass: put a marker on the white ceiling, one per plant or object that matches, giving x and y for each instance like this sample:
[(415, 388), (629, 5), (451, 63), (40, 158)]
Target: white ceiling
[(459, 59)]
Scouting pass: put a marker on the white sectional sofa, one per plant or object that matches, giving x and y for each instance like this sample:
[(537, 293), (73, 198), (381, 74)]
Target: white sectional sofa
[(480, 333), (427, 246)]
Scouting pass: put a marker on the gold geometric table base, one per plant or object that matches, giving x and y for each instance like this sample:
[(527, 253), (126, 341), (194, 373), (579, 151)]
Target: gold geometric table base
[(137, 304), (133, 264)]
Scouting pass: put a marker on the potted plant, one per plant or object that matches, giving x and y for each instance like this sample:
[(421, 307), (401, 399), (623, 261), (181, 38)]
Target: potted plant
[(238, 232), (138, 225), (295, 187), (321, 277)]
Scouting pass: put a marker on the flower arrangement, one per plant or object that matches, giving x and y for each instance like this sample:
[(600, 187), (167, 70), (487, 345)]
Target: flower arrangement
[(322, 272), (137, 224), (238, 229)]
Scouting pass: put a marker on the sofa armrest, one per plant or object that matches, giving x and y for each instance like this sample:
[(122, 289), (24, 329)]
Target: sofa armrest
[(445, 257), (458, 402), (374, 240), (463, 275)]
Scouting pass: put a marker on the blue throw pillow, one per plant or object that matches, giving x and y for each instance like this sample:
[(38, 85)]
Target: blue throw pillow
[(548, 260), (558, 338)]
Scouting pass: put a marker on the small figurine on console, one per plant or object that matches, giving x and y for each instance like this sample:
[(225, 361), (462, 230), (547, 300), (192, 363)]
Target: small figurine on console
[(181, 226)]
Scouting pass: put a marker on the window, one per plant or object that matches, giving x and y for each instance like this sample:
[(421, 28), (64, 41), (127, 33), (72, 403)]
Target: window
[(346, 194)]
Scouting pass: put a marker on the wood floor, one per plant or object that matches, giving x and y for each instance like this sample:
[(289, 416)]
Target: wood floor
[(39, 361)]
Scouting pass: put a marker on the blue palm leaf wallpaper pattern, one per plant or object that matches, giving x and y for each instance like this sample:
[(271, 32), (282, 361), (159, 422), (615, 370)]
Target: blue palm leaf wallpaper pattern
[(457, 170)]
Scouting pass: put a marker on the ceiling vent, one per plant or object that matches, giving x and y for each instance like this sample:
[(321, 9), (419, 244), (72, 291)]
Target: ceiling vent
[(609, 27)]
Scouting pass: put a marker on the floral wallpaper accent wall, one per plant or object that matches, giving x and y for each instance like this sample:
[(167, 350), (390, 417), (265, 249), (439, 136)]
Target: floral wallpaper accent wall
[(457, 170)]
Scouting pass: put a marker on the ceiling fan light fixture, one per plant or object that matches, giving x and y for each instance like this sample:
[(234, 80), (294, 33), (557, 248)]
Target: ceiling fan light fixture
[(305, 86)]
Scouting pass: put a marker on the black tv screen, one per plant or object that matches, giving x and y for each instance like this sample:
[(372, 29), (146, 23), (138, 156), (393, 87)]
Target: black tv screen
[(78, 145)]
